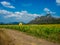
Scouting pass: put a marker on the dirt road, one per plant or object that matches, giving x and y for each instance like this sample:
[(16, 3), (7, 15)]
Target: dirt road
[(14, 37)]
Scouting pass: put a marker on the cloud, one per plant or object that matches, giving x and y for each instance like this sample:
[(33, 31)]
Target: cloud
[(58, 2), (48, 11), (23, 15), (5, 12), (7, 4)]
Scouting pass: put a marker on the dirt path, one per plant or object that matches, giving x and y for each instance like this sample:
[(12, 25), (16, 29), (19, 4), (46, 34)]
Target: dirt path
[(13, 37)]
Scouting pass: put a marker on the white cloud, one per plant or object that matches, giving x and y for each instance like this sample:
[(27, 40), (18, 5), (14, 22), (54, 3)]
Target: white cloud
[(7, 4), (5, 12), (58, 2), (23, 15), (48, 11)]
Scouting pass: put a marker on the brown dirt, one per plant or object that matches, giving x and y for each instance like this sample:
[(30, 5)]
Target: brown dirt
[(13, 37)]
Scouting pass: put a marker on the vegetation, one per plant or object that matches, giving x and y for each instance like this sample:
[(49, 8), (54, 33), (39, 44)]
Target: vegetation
[(50, 32)]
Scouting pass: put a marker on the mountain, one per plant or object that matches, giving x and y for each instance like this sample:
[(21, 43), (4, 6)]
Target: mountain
[(1, 23), (11, 23), (48, 19), (14, 23)]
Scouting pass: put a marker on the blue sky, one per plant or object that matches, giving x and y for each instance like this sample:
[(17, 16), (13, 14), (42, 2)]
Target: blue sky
[(26, 10)]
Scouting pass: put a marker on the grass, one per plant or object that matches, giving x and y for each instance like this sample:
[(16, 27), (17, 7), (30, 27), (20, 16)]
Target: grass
[(50, 32)]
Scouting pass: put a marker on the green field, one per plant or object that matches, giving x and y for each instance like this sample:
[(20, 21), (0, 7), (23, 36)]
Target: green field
[(49, 32)]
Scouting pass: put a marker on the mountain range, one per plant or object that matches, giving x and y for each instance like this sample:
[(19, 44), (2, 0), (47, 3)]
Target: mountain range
[(48, 19)]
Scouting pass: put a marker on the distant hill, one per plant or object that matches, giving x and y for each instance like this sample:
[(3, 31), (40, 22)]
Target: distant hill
[(1, 23), (48, 19), (11, 23)]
